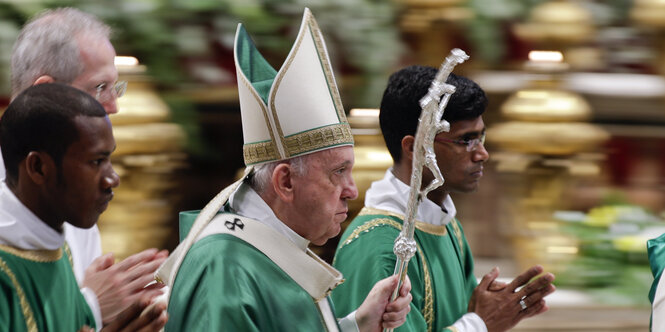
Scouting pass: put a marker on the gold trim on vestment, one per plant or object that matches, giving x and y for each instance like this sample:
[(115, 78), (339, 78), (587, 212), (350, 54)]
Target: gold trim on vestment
[(368, 226), (458, 235), (68, 252), (440, 230), (29, 317), (41, 256), (452, 328), (428, 310)]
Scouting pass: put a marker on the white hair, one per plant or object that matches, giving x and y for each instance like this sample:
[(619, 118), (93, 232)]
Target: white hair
[(48, 45), (262, 175)]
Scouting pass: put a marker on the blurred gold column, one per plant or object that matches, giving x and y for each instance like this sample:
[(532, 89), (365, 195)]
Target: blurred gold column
[(372, 158), (149, 151), (545, 144), (565, 26), (650, 16)]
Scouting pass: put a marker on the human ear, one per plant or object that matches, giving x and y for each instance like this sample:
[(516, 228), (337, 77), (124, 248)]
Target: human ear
[(39, 167), (407, 148), (44, 79), (282, 182)]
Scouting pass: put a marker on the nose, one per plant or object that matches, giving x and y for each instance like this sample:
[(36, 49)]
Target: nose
[(111, 180), (350, 190), (111, 106), (480, 154)]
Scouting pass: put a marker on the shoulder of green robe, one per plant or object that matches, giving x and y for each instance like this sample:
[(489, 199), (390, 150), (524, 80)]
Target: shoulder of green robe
[(228, 260), (226, 250), (656, 254), (186, 220), (371, 221), (367, 221), (38, 256)]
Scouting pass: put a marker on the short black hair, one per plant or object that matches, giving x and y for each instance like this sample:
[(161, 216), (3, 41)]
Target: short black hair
[(41, 118), (400, 106)]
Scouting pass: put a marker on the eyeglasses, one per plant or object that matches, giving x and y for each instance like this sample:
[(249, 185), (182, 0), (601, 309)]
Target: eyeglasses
[(105, 94), (469, 144)]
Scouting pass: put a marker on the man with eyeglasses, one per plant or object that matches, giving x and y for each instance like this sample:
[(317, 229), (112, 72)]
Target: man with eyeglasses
[(446, 294), (68, 46)]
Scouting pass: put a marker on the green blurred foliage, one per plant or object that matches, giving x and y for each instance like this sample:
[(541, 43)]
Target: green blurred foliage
[(612, 263)]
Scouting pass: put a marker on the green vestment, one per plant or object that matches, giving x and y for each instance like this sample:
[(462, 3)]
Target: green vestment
[(656, 252), (441, 272), (225, 284), (38, 292)]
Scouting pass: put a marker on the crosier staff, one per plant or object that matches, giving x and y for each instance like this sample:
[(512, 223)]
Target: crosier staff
[(430, 123)]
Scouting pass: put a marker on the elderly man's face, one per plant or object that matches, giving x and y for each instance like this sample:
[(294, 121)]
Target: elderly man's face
[(98, 56), (321, 194)]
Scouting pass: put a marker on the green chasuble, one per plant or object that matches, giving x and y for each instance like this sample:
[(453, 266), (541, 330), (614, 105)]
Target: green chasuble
[(38, 292), (656, 252), (441, 271), (225, 284)]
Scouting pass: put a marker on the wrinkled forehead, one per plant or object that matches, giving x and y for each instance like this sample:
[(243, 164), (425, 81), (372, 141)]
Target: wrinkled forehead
[(334, 157)]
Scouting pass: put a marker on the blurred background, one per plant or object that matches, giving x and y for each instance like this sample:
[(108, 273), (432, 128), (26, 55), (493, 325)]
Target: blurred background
[(576, 135)]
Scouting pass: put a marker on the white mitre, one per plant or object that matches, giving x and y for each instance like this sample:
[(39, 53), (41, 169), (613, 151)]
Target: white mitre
[(294, 111)]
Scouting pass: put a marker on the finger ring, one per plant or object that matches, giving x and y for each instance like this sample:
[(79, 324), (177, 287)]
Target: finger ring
[(523, 304)]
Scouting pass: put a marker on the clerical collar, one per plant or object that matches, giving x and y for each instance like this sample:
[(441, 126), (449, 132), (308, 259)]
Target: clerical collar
[(391, 194), (22, 229), (247, 203)]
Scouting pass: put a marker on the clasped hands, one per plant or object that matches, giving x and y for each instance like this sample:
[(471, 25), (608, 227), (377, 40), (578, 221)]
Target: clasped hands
[(502, 306), (124, 293)]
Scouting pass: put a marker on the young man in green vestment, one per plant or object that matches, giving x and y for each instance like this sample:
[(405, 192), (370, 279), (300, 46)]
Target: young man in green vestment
[(66, 45), (56, 143), (446, 295), (245, 265)]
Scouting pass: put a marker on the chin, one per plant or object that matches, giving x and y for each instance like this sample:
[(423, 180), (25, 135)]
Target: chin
[(88, 223), (473, 189), (324, 239), (337, 228), (319, 242), (470, 187)]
